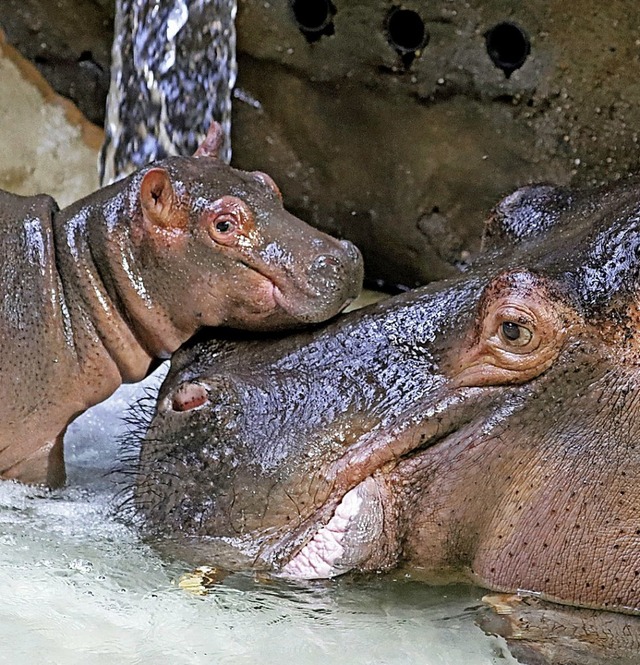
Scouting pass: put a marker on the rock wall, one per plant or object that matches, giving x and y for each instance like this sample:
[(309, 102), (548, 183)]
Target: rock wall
[(47, 145), (400, 128)]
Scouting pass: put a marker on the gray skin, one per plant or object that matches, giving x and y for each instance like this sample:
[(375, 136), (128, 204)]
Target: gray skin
[(483, 428), (92, 294)]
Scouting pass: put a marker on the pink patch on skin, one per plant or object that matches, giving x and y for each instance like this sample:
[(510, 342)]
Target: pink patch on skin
[(189, 396), (265, 295)]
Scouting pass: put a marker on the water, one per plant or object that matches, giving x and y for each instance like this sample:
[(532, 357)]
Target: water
[(173, 69), (79, 586)]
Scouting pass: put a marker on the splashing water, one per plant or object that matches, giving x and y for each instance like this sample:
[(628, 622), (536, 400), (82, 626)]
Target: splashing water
[(173, 69)]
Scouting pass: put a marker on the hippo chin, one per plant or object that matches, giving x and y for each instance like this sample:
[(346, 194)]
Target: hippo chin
[(485, 426)]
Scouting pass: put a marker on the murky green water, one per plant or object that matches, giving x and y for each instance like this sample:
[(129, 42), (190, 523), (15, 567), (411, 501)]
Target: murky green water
[(77, 586)]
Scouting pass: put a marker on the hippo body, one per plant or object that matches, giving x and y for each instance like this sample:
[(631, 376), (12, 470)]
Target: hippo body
[(484, 427), (92, 294)]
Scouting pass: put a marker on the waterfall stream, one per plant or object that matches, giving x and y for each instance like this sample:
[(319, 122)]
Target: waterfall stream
[(173, 70)]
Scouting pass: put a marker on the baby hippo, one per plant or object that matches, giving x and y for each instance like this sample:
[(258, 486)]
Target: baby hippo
[(92, 294)]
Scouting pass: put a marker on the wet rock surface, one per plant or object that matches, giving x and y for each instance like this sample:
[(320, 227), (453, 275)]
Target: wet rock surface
[(47, 145), (69, 41), (399, 126)]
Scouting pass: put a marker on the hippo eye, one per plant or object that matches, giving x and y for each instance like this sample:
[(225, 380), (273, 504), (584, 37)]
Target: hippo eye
[(224, 225), (228, 220), (514, 333), (223, 229)]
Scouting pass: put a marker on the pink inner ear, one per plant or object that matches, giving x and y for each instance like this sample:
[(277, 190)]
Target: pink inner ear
[(159, 206), (212, 143), (155, 189)]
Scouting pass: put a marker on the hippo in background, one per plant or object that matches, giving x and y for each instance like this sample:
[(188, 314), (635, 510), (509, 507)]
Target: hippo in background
[(92, 295), (482, 428)]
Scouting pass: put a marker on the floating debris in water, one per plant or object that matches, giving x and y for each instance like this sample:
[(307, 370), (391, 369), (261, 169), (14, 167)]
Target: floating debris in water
[(201, 580)]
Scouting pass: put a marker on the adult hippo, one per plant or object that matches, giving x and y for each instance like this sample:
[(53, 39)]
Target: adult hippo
[(484, 427)]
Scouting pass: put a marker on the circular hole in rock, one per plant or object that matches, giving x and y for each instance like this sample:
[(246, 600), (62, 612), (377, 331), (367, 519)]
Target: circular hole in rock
[(312, 15), (508, 46), (406, 31)]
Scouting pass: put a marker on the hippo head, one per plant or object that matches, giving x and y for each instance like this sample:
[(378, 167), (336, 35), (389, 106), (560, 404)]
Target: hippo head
[(485, 425), (217, 247)]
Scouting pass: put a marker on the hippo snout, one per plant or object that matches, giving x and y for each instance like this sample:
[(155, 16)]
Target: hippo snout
[(325, 268), (188, 396), (337, 275)]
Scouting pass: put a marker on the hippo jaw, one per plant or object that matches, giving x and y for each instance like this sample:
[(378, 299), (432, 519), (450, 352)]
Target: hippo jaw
[(361, 528), (520, 330), (334, 281)]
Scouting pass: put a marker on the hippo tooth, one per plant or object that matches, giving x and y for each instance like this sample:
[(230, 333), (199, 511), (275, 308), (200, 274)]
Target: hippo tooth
[(355, 523)]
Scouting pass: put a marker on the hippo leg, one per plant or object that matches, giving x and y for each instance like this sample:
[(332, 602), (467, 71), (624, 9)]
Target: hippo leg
[(543, 633), (56, 472), (47, 461)]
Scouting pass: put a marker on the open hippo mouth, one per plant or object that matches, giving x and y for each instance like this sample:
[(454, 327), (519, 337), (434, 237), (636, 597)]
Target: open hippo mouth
[(360, 524), (346, 539), (357, 527)]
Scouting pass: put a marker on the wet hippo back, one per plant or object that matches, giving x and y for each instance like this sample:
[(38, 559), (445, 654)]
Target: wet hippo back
[(37, 344), (35, 336)]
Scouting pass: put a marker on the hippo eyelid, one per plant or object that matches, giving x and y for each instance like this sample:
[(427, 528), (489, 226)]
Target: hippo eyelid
[(491, 357), (528, 339), (228, 219)]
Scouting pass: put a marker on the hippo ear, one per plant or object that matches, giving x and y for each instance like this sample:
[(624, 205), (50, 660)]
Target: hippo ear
[(156, 197), (529, 212), (212, 143)]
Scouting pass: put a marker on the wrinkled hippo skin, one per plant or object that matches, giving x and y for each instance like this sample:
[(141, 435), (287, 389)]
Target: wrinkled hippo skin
[(484, 427), (92, 294)]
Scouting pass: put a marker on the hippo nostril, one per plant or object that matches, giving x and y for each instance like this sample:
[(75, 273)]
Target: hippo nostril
[(352, 252), (325, 262), (325, 272), (189, 396)]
